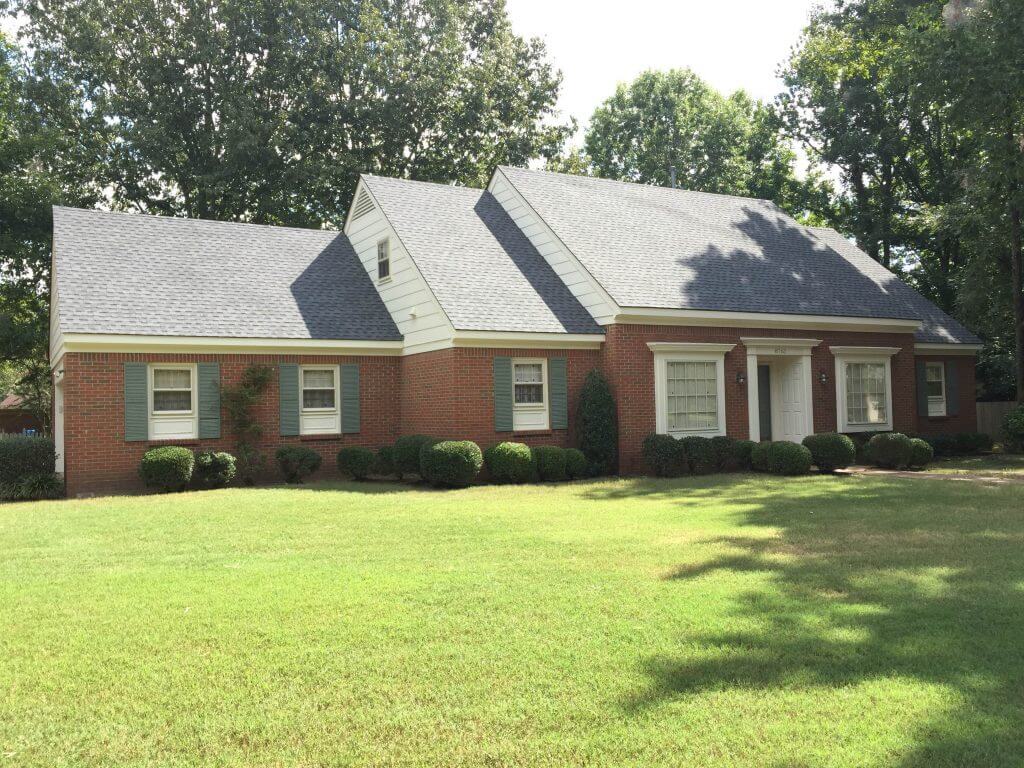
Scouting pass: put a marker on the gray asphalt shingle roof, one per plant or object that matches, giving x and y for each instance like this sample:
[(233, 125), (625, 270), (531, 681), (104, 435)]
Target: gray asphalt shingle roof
[(657, 247), (483, 270), (123, 273)]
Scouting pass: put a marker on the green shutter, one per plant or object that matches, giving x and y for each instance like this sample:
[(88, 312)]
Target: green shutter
[(349, 399), (559, 388), (952, 389), (209, 400), (136, 401), (922, 388), (288, 393), (503, 394)]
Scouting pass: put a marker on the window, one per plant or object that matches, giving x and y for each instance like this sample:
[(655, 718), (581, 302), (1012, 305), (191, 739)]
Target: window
[(318, 389), (935, 383), (319, 413), (172, 390), (692, 396), (529, 379), (866, 401), (384, 260), (173, 414)]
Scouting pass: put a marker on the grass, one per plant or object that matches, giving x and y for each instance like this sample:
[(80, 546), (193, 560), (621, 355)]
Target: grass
[(988, 464), (728, 621)]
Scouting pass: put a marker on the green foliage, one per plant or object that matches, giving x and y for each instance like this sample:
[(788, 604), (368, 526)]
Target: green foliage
[(722, 451), (384, 465), (45, 485), (22, 456), (550, 462), (575, 464), (167, 468), (921, 453), (356, 462), (213, 469), (890, 450), (942, 445), (1013, 430), (239, 402), (406, 454), (741, 457), (297, 462), (759, 456), (664, 455), (972, 442), (786, 458), (451, 463), (700, 454), (509, 463), (597, 425), (831, 451)]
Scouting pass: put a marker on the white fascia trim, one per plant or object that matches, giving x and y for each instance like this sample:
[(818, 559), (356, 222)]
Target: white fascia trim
[(672, 347), (97, 342), (657, 316), (947, 349), (523, 340), (865, 351)]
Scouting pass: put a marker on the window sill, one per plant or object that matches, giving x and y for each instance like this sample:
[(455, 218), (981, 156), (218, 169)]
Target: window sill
[(324, 436), (173, 441), (535, 432)]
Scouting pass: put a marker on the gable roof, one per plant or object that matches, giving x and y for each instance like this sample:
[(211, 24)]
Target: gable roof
[(482, 269), (133, 274), (656, 247)]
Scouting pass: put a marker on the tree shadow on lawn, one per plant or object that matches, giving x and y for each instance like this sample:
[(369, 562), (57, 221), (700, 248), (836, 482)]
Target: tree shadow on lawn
[(869, 580)]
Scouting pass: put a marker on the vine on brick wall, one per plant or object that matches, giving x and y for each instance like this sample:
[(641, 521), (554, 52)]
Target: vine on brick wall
[(239, 401)]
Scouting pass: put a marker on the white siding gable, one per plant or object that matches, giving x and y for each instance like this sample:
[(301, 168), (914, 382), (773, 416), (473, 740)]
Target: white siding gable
[(582, 284), (405, 293), (56, 337)]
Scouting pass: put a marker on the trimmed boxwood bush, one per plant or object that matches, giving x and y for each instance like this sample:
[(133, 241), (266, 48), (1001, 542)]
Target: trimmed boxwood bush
[(890, 450), (356, 462), (33, 487), (786, 458), (406, 454), (921, 453), (451, 463), (740, 457), (759, 456), (384, 463), (972, 442), (550, 462), (509, 463), (942, 445), (167, 468), (699, 454), (664, 455), (23, 455), (297, 462), (575, 464), (213, 469), (596, 424), (831, 451), (722, 452), (1013, 430)]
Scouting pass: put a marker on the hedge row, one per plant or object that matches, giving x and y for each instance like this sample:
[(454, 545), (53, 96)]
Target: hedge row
[(668, 457), (172, 468), (26, 469)]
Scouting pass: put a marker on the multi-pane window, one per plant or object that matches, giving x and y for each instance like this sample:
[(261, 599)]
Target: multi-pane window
[(318, 388), (172, 390), (383, 260), (866, 393), (529, 383), (935, 384), (692, 396)]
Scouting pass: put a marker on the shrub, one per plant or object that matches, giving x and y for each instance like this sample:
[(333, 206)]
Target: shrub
[(297, 462), (45, 485), (575, 464), (406, 454), (722, 452), (860, 441), (22, 455), (550, 462), (831, 451), (921, 453), (786, 458), (664, 455), (384, 463), (740, 458), (167, 468), (509, 463), (699, 454), (451, 463), (240, 403), (759, 456), (972, 442), (942, 445), (596, 424), (213, 470), (356, 462), (1013, 430), (889, 450)]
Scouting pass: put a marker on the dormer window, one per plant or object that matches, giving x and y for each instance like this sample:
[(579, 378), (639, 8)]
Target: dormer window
[(383, 260)]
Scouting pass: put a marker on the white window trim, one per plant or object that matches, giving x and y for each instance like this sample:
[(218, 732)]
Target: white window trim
[(937, 402), (191, 415), (335, 427), (386, 242), (668, 352), (877, 355), (531, 407)]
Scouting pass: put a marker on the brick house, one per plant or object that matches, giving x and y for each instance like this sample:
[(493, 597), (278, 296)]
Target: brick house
[(476, 314)]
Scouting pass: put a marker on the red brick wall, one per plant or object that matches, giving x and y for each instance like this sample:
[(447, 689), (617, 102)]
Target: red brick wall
[(97, 458), (967, 418)]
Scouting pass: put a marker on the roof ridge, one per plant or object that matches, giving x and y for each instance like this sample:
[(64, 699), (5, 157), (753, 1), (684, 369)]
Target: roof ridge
[(446, 185), (193, 219)]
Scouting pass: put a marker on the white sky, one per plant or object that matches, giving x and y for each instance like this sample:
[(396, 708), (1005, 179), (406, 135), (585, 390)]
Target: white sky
[(598, 44)]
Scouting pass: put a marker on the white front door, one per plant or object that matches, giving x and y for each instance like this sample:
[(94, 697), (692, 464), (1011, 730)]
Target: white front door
[(789, 407)]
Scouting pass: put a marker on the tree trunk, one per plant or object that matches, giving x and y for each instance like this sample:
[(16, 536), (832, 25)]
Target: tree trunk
[(1016, 265)]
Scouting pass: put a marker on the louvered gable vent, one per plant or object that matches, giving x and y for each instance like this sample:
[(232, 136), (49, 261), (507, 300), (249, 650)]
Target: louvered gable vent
[(363, 205)]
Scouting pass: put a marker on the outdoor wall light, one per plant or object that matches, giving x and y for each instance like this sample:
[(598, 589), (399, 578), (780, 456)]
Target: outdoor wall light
[(823, 377), (741, 377)]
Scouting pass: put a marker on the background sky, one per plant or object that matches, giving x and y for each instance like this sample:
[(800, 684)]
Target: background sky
[(597, 44)]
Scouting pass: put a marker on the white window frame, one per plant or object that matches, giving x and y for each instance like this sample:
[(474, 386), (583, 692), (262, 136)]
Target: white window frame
[(668, 352), (936, 404), (874, 355), (526, 416), (384, 247), (173, 425), (320, 421)]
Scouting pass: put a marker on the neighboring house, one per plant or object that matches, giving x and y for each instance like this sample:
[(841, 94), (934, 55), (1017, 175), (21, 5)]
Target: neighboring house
[(15, 418), (463, 313)]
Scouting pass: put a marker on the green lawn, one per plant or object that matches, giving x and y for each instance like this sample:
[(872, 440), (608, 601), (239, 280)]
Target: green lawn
[(991, 464), (728, 621)]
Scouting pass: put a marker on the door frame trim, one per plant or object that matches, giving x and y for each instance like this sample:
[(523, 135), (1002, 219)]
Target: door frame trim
[(777, 347)]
